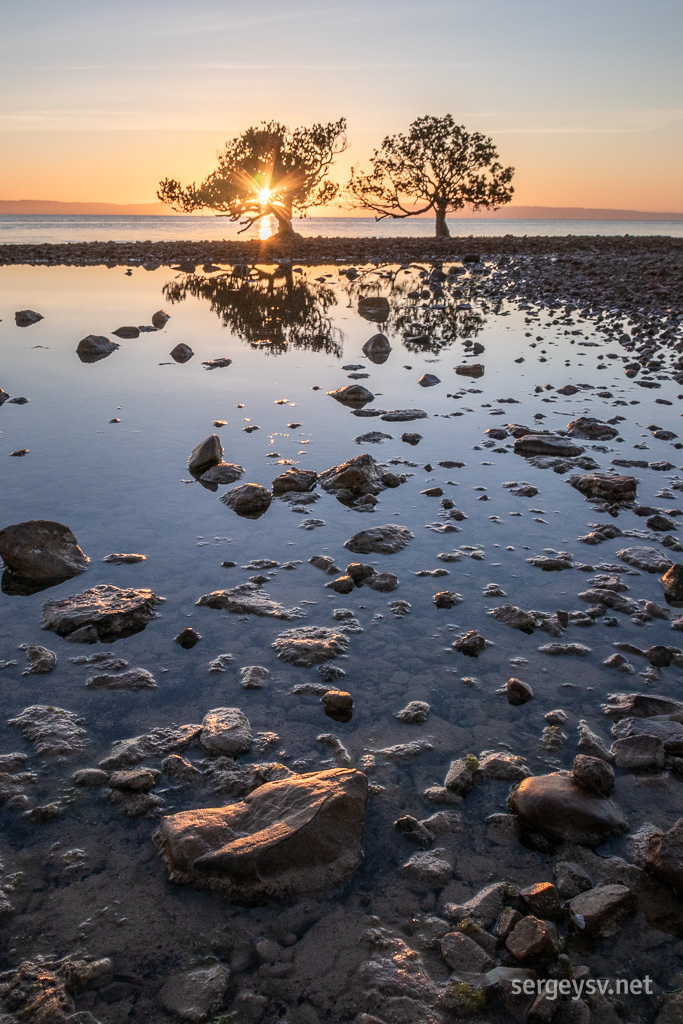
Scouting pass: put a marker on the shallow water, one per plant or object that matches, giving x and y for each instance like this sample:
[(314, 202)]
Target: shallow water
[(124, 486)]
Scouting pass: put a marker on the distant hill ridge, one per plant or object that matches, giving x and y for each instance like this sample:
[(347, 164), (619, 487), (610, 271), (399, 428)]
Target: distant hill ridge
[(49, 207)]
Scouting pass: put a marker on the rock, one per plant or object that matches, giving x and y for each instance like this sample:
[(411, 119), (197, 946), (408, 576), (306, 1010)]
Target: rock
[(414, 831), (382, 582), (372, 437), (127, 332), (310, 645), (414, 713), (571, 879), (543, 900), (208, 452), (381, 540), (514, 617), (589, 427), (324, 562), (645, 558), (4, 396), (338, 704), (121, 558), (470, 370), (602, 910), (221, 473), (374, 307), (248, 500), (669, 732), (593, 774), (460, 775), (248, 599), (639, 753), (109, 611), (187, 638), (403, 415), (557, 650), (90, 778), (447, 599), (533, 941), (226, 731), (360, 475), (95, 347), (160, 319), (295, 479), (555, 805), (462, 954), (484, 908), (518, 692), (429, 868), (194, 995), (253, 677), (128, 752), (134, 780), (428, 380), (134, 679), (591, 744), (180, 770), (608, 486), (546, 444), (298, 835), (27, 317), (352, 394), (672, 581), (377, 349), (664, 855), (41, 551), (502, 766), (471, 644), (53, 731), (181, 353), (41, 661)]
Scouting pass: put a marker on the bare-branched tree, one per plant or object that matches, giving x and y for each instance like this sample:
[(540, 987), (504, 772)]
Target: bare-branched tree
[(267, 170), (437, 166)]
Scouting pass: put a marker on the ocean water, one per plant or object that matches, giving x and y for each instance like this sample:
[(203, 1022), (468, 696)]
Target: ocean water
[(37, 228)]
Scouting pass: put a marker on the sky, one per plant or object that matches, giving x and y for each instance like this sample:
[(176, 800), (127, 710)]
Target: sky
[(583, 97)]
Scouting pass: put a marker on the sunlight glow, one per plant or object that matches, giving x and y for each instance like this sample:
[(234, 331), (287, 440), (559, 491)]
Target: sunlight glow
[(265, 228), (264, 196)]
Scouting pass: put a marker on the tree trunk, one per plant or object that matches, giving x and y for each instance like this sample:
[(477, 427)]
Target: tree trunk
[(441, 225), (283, 214)]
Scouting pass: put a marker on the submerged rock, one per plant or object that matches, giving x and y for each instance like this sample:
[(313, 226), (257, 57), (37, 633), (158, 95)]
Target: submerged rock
[(125, 753), (95, 347), (589, 427), (41, 661), (248, 500), (609, 486), (248, 599), (42, 551), (381, 540), (53, 731), (298, 835), (555, 805), (134, 679), (109, 611), (310, 645)]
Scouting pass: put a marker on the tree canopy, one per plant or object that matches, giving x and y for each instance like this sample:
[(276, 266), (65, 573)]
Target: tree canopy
[(437, 166), (267, 170)]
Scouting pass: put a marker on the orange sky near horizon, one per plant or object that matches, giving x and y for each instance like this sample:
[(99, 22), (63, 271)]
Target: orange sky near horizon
[(582, 98)]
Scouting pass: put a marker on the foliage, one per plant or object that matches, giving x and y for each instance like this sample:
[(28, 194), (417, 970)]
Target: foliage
[(437, 166), (266, 170)]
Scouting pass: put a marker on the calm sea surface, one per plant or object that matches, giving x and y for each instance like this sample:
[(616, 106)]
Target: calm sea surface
[(19, 228)]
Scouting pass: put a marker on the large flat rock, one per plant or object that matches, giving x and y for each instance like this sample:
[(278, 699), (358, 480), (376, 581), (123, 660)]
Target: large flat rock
[(105, 612), (41, 550), (299, 835)]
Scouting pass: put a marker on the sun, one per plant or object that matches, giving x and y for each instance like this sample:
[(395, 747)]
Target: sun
[(264, 196)]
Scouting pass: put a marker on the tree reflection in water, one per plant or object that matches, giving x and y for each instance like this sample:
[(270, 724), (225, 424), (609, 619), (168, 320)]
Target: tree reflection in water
[(274, 309), (429, 309)]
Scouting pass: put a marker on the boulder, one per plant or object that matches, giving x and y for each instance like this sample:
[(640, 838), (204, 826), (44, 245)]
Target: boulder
[(555, 805), (295, 479), (352, 394), (664, 855), (639, 753), (428, 380), (298, 835), (532, 941), (608, 486), (639, 705), (672, 581), (543, 900), (546, 444), (646, 558), (589, 427), (208, 452), (514, 617), (381, 540), (221, 473), (463, 954), (42, 551), (94, 348), (248, 500), (470, 370), (593, 774), (27, 317), (105, 612), (40, 661), (226, 731), (357, 476), (160, 319), (518, 692), (602, 910), (377, 349), (181, 353), (127, 332)]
